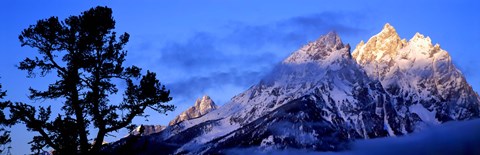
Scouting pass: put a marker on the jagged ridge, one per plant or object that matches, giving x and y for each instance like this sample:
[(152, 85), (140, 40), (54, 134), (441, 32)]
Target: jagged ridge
[(201, 107), (417, 72), (320, 98)]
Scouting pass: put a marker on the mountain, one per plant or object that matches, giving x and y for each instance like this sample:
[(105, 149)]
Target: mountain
[(201, 107), (322, 97), (419, 76), (318, 98), (147, 130)]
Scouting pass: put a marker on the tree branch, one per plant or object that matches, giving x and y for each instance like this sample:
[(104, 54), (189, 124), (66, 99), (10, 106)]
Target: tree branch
[(55, 64)]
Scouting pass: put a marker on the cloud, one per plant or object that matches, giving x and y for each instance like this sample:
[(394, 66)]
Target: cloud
[(237, 53), (196, 86), (448, 138), (468, 69), (296, 31), (204, 52)]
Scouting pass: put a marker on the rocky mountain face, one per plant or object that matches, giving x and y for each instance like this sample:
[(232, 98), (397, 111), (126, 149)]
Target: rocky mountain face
[(318, 98), (322, 97), (202, 106), (419, 76), (147, 130)]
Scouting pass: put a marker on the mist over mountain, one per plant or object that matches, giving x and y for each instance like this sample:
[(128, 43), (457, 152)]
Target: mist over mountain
[(458, 137), (324, 98)]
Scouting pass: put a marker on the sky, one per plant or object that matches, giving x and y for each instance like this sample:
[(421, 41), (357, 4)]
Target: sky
[(221, 48)]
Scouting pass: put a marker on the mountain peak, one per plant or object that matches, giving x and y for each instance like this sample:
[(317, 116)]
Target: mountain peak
[(420, 68), (205, 104), (201, 107), (388, 31), (420, 39), (320, 50), (418, 36), (387, 28), (143, 130), (331, 38), (383, 45)]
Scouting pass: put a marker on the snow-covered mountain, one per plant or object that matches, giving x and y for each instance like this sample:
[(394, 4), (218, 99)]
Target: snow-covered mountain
[(317, 98), (419, 76), (147, 130), (321, 98), (201, 107)]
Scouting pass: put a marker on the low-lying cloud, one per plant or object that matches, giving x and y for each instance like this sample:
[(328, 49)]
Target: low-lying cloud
[(449, 138)]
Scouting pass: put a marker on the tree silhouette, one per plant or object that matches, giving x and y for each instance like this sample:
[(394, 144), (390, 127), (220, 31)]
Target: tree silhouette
[(86, 55), (4, 134)]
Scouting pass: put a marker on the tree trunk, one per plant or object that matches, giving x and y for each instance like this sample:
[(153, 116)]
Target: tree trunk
[(84, 146)]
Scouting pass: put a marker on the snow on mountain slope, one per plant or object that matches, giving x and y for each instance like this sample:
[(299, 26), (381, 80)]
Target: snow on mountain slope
[(417, 72), (322, 77), (201, 107), (321, 97), (147, 130), (351, 100)]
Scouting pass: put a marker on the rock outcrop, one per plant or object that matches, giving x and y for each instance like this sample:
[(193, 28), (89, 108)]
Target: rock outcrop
[(201, 107)]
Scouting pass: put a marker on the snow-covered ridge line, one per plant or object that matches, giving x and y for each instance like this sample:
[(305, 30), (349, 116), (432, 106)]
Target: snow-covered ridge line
[(201, 107), (322, 97), (420, 71)]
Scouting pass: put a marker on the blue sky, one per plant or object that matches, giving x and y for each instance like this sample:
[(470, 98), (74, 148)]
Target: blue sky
[(221, 48)]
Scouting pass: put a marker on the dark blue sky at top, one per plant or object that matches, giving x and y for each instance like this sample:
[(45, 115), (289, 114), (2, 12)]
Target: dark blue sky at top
[(221, 48)]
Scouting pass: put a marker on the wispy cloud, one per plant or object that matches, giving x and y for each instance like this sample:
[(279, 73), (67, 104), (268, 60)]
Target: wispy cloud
[(297, 30), (199, 84), (239, 53)]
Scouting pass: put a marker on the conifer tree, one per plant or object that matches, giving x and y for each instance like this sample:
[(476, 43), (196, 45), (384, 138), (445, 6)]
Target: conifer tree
[(87, 56)]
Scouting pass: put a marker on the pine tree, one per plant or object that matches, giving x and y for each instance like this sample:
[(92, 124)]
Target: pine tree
[(4, 122), (87, 56)]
